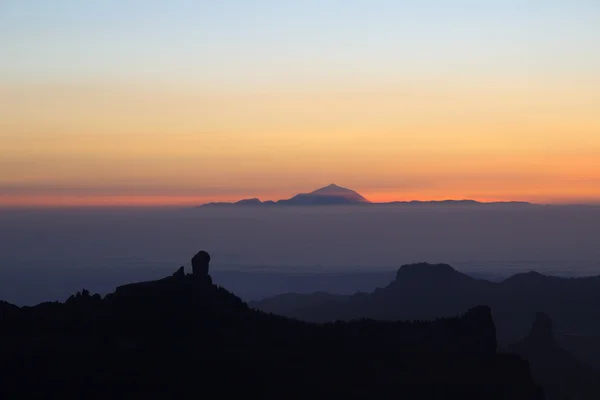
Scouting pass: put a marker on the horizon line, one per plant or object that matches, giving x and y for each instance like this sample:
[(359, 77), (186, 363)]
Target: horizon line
[(192, 204)]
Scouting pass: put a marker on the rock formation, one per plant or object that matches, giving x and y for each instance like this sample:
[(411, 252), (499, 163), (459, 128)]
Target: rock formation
[(180, 273), (200, 264)]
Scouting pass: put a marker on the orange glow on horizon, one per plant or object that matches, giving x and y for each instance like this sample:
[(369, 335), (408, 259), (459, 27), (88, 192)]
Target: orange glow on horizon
[(97, 201), (191, 201), (70, 145)]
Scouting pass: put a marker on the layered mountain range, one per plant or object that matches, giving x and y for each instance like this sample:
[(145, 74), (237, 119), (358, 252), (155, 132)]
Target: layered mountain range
[(567, 367), (424, 291)]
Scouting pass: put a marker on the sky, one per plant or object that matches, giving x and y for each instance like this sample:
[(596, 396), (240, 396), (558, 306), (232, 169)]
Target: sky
[(177, 102)]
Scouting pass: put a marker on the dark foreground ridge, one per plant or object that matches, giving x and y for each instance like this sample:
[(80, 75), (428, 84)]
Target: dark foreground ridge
[(183, 337)]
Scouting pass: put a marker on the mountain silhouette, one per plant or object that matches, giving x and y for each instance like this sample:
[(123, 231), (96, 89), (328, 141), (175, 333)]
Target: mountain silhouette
[(335, 190), (249, 202), (328, 195), (426, 291), (562, 375), (184, 337), (423, 290), (334, 195)]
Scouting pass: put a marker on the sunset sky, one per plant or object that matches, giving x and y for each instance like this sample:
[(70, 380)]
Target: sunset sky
[(143, 102)]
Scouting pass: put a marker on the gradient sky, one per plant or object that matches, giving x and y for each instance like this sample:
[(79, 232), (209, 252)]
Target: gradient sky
[(180, 102)]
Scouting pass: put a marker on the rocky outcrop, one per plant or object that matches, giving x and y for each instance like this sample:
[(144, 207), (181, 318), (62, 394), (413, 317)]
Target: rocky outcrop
[(180, 273), (200, 264)]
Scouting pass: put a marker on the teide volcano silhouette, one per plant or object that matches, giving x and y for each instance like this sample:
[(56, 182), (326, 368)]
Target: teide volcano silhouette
[(334, 195), (328, 195)]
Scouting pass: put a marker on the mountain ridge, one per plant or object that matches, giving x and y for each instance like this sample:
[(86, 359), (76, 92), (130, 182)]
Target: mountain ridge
[(334, 195), (425, 291), (422, 291), (184, 337)]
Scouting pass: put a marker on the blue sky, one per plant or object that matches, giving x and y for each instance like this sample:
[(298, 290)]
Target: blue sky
[(259, 41)]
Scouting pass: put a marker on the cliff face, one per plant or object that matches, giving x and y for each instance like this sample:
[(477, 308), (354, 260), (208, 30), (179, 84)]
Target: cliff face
[(182, 336), (562, 375)]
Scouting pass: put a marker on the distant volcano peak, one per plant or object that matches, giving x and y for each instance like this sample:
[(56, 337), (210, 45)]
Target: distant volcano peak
[(334, 190), (332, 186)]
